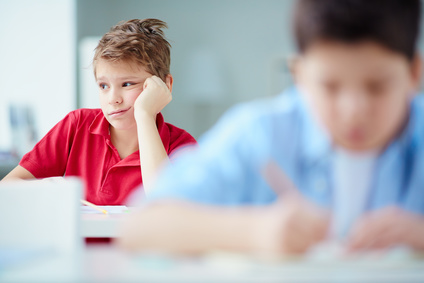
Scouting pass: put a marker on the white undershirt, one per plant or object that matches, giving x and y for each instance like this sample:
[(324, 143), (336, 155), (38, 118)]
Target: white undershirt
[(353, 174)]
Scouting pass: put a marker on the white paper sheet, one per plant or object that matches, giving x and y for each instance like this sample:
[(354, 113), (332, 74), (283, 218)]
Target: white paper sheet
[(111, 209)]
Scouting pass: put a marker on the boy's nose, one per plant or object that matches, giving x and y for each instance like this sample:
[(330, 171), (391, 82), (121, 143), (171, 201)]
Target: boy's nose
[(353, 106), (115, 97)]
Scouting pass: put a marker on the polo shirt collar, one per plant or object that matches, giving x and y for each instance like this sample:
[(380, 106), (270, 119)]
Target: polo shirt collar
[(100, 126)]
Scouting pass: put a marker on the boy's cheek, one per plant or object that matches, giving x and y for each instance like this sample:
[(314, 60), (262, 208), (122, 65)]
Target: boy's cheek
[(135, 93)]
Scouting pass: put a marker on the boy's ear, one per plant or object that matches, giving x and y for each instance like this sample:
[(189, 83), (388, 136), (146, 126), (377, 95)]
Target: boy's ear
[(293, 64), (169, 80), (417, 71)]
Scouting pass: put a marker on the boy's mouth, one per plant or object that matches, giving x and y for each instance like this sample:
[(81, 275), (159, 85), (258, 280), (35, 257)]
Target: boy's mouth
[(119, 112), (356, 136)]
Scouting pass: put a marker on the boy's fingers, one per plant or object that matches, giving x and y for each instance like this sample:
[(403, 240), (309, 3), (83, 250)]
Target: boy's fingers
[(372, 231), (313, 233), (356, 236), (322, 228), (305, 223), (301, 225), (319, 227), (313, 224), (158, 81), (386, 240), (146, 82), (298, 241), (360, 236)]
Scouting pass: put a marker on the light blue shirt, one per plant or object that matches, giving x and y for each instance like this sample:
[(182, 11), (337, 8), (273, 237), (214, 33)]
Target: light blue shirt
[(225, 169)]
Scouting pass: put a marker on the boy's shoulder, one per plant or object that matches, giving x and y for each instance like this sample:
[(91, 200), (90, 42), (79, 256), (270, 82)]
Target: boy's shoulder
[(173, 133), (285, 103), (176, 131), (280, 108), (415, 126), (260, 123), (84, 115), (84, 118), (418, 101)]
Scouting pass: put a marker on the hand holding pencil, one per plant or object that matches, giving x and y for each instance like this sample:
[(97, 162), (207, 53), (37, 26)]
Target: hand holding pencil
[(294, 224)]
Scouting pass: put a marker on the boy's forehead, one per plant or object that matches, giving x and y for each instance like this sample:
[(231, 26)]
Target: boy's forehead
[(363, 53), (104, 66), (127, 64), (358, 62), (362, 46)]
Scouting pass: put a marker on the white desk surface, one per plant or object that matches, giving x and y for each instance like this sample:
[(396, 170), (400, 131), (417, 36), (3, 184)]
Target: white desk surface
[(105, 263)]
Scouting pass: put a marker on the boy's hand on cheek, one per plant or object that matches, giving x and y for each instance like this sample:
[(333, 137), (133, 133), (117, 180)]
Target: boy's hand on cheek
[(293, 226), (388, 227), (154, 97)]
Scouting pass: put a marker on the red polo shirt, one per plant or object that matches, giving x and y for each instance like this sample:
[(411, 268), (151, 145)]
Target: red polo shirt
[(80, 145)]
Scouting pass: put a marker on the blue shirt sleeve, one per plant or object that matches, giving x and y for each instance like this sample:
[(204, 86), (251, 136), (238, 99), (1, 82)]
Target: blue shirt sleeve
[(225, 168)]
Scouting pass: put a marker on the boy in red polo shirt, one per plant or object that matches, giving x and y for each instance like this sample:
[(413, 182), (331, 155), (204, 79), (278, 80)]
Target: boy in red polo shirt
[(123, 144)]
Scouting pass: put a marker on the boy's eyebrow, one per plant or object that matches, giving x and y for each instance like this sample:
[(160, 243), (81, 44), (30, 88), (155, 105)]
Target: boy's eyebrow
[(385, 76), (102, 78)]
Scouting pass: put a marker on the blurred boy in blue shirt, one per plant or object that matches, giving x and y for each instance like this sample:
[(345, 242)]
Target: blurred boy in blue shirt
[(349, 136)]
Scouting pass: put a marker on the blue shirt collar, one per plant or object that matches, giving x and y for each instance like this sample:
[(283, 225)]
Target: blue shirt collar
[(316, 142)]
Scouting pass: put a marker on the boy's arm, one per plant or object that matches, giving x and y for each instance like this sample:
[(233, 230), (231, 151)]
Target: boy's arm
[(187, 228), (155, 96), (17, 173), (39, 162)]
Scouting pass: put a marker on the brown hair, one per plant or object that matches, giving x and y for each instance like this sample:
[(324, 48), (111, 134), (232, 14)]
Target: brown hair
[(140, 41), (393, 24)]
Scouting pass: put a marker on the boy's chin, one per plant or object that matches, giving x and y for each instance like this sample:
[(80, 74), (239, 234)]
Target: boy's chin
[(360, 147)]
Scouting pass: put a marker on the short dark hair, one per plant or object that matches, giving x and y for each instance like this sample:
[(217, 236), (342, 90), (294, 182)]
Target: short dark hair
[(391, 23)]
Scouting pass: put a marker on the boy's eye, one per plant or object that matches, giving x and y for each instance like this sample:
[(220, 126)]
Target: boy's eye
[(103, 86), (330, 88), (127, 84), (376, 88)]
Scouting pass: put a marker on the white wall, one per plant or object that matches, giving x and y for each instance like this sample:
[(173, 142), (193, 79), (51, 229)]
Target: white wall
[(37, 61)]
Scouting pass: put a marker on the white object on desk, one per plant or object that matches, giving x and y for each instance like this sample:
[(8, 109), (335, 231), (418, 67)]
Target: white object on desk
[(40, 215), (98, 225)]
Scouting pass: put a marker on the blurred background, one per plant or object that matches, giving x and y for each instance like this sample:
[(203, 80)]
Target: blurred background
[(223, 52)]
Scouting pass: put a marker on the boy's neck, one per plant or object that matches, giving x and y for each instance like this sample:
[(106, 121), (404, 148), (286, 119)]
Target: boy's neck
[(125, 141)]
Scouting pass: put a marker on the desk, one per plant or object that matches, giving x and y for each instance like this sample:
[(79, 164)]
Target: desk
[(106, 263)]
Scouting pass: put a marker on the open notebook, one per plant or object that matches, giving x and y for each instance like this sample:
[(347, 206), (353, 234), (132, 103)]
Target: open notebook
[(111, 209)]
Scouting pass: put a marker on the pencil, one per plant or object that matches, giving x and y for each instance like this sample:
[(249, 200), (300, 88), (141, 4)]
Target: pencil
[(92, 205), (277, 179)]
